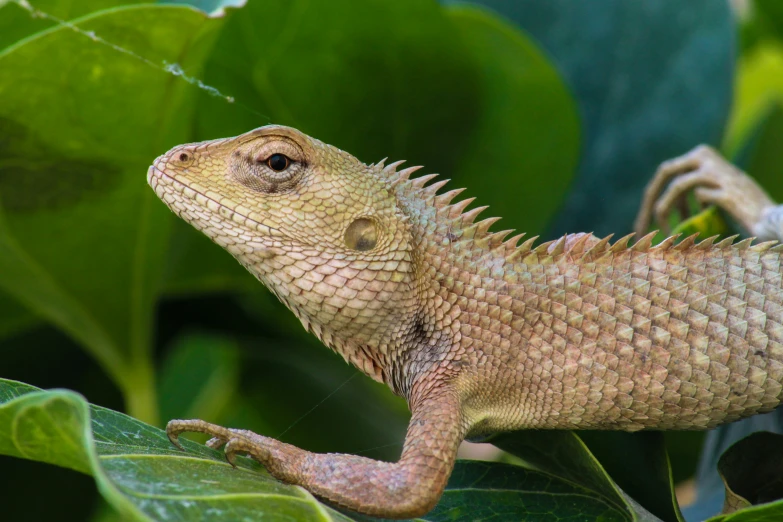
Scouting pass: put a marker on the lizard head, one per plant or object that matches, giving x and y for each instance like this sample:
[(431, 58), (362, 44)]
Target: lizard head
[(322, 230)]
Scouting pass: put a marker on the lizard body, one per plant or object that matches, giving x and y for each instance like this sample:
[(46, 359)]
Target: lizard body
[(480, 334)]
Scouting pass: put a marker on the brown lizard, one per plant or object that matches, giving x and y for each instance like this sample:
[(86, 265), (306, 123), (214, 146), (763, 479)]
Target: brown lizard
[(480, 333)]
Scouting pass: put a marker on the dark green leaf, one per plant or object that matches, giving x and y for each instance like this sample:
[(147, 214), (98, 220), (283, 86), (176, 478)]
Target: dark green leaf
[(638, 464), (770, 14), (137, 469), (491, 491), (378, 79), (564, 455), (762, 155), (13, 317), (645, 95), (527, 124), (752, 471)]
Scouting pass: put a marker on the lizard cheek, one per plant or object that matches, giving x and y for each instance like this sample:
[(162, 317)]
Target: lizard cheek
[(361, 235)]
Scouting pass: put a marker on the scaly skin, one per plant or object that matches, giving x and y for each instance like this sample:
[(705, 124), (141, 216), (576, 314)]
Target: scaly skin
[(477, 333)]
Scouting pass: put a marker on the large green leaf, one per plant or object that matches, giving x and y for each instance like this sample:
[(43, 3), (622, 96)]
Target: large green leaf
[(374, 78), (526, 138), (564, 455), (136, 468), (19, 20), (81, 235), (491, 491), (644, 90)]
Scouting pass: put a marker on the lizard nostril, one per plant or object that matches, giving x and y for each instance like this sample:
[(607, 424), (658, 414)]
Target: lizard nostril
[(183, 159)]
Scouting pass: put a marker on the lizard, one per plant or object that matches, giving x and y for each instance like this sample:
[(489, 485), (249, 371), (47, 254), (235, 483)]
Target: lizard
[(479, 333)]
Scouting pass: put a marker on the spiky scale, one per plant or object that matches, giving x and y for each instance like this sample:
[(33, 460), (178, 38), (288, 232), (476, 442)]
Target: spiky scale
[(419, 182)]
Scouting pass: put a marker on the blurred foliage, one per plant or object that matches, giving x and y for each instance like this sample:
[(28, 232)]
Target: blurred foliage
[(555, 113), (752, 471)]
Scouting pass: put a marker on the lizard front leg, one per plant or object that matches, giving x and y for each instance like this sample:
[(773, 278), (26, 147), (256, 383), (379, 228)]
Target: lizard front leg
[(408, 488), (714, 181)]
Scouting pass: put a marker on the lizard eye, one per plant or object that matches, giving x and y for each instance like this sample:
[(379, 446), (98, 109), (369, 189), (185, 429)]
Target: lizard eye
[(273, 166), (278, 162)]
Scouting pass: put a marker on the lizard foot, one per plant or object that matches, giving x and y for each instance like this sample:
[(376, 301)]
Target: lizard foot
[(713, 180), (234, 441)]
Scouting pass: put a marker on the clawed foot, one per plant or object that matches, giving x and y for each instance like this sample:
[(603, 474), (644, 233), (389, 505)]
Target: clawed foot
[(235, 442), (713, 180)]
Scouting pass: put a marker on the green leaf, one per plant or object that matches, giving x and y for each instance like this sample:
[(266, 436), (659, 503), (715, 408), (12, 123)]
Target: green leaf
[(752, 472), (377, 79), (761, 155), (491, 491), (81, 235), (639, 465), (643, 88), (18, 22), (138, 471), (564, 455), (768, 14), (527, 127), (455, 90), (706, 223), (759, 88)]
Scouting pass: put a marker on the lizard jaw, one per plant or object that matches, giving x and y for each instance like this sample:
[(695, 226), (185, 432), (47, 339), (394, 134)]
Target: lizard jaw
[(194, 206), (176, 195)]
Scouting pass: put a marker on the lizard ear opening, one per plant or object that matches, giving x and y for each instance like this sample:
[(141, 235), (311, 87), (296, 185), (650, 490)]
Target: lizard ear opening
[(361, 235)]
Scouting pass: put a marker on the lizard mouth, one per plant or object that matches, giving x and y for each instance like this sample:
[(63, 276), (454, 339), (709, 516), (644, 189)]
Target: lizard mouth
[(176, 195)]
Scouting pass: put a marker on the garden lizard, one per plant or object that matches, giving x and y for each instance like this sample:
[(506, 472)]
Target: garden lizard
[(481, 333)]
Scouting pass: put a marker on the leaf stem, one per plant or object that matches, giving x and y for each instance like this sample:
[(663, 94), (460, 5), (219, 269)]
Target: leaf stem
[(140, 392)]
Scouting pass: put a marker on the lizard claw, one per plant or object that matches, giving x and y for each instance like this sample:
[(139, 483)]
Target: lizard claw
[(173, 434), (713, 180), (218, 433), (237, 446)]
